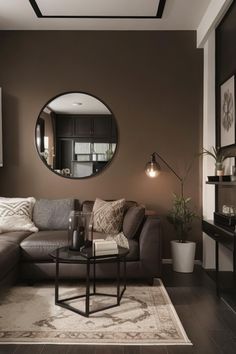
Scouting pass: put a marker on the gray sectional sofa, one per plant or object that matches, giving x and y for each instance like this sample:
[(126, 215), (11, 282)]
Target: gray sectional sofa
[(25, 255)]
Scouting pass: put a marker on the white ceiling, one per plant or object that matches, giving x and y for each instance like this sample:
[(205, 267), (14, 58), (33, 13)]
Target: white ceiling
[(178, 14), (78, 103)]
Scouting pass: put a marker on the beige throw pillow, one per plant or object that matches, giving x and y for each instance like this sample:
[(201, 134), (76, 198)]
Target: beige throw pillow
[(16, 214), (108, 216)]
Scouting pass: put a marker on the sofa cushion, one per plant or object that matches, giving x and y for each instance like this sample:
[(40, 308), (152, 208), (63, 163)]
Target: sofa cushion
[(133, 254), (108, 216), (87, 205), (9, 256), (16, 214), (132, 221), (37, 246), (52, 214), (14, 236)]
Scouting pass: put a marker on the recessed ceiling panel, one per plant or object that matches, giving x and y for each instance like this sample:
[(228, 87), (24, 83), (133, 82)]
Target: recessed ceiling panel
[(99, 8)]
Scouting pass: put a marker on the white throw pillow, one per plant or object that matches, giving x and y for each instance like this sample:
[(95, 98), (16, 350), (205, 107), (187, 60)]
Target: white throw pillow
[(16, 214), (108, 216)]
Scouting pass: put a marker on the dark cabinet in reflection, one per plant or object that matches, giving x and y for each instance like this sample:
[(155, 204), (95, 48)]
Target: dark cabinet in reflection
[(102, 127), (64, 126), (83, 126)]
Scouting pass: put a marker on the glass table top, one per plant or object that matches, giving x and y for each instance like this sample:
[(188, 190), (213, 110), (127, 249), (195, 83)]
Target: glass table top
[(67, 255)]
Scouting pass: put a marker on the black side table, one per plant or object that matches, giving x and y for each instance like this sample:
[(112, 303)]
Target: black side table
[(227, 238), (86, 256)]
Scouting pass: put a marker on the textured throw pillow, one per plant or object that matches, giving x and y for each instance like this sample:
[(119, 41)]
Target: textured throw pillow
[(108, 216), (120, 239), (132, 221), (16, 214), (52, 214)]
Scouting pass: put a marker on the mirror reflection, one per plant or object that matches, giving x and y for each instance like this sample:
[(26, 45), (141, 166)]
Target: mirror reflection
[(76, 135)]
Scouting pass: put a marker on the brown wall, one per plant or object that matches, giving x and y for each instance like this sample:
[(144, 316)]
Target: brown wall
[(152, 81)]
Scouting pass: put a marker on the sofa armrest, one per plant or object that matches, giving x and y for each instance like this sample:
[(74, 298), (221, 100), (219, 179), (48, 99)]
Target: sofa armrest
[(150, 246)]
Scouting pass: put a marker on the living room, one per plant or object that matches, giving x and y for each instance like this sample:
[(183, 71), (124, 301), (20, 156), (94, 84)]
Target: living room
[(177, 57)]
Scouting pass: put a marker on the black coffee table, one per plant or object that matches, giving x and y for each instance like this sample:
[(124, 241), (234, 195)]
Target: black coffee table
[(87, 257)]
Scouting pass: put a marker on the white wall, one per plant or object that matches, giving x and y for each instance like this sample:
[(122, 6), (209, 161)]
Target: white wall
[(206, 39), (208, 197)]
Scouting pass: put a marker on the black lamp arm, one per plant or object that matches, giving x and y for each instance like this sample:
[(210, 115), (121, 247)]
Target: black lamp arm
[(172, 170)]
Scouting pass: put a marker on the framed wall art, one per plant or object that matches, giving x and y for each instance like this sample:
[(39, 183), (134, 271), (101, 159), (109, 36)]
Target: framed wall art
[(227, 112)]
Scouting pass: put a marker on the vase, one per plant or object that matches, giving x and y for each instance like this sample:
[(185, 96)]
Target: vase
[(183, 255), (80, 231), (219, 169)]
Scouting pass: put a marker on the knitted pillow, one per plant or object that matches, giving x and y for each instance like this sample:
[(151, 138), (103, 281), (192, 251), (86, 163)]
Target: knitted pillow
[(108, 216), (16, 214)]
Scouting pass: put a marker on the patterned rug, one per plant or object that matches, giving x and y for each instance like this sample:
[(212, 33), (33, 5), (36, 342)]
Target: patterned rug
[(145, 316)]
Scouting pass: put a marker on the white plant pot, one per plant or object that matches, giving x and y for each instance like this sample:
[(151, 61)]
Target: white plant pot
[(183, 254)]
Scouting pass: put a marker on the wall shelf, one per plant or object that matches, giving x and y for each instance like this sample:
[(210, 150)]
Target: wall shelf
[(229, 183)]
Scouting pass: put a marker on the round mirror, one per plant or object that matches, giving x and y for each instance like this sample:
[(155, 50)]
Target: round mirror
[(76, 135)]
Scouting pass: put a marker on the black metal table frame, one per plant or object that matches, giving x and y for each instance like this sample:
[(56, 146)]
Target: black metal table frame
[(92, 261)]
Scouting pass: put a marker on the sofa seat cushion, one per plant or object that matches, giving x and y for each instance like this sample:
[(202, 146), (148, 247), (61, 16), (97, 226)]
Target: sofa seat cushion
[(37, 246), (9, 256), (14, 236)]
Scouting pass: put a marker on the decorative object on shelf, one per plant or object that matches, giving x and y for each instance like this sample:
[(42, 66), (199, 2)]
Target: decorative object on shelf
[(219, 158), (228, 210), (226, 219), (181, 216), (227, 112), (80, 232)]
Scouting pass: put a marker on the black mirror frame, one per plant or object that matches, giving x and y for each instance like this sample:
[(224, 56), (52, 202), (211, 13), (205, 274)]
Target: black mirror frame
[(70, 177)]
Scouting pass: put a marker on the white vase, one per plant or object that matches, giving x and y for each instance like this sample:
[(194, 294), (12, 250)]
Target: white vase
[(183, 254)]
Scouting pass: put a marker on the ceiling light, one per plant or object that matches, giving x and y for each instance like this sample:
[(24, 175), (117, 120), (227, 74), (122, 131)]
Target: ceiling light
[(77, 104)]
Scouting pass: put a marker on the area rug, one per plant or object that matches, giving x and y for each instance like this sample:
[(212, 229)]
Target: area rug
[(145, 316)]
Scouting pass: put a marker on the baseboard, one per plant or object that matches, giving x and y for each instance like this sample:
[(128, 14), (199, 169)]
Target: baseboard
[(169, 261)]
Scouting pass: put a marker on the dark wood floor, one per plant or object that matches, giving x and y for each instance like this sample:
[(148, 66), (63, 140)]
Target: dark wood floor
[(208, 321)]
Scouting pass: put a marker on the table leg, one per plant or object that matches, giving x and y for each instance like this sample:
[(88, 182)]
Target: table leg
[(118, 282), (56, 279), (234, 257), (217, 266), (87, 300), (124, 273), (94, 277)]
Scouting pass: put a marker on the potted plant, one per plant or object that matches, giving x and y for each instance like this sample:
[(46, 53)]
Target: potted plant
[(181, 217), (219, 158)]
